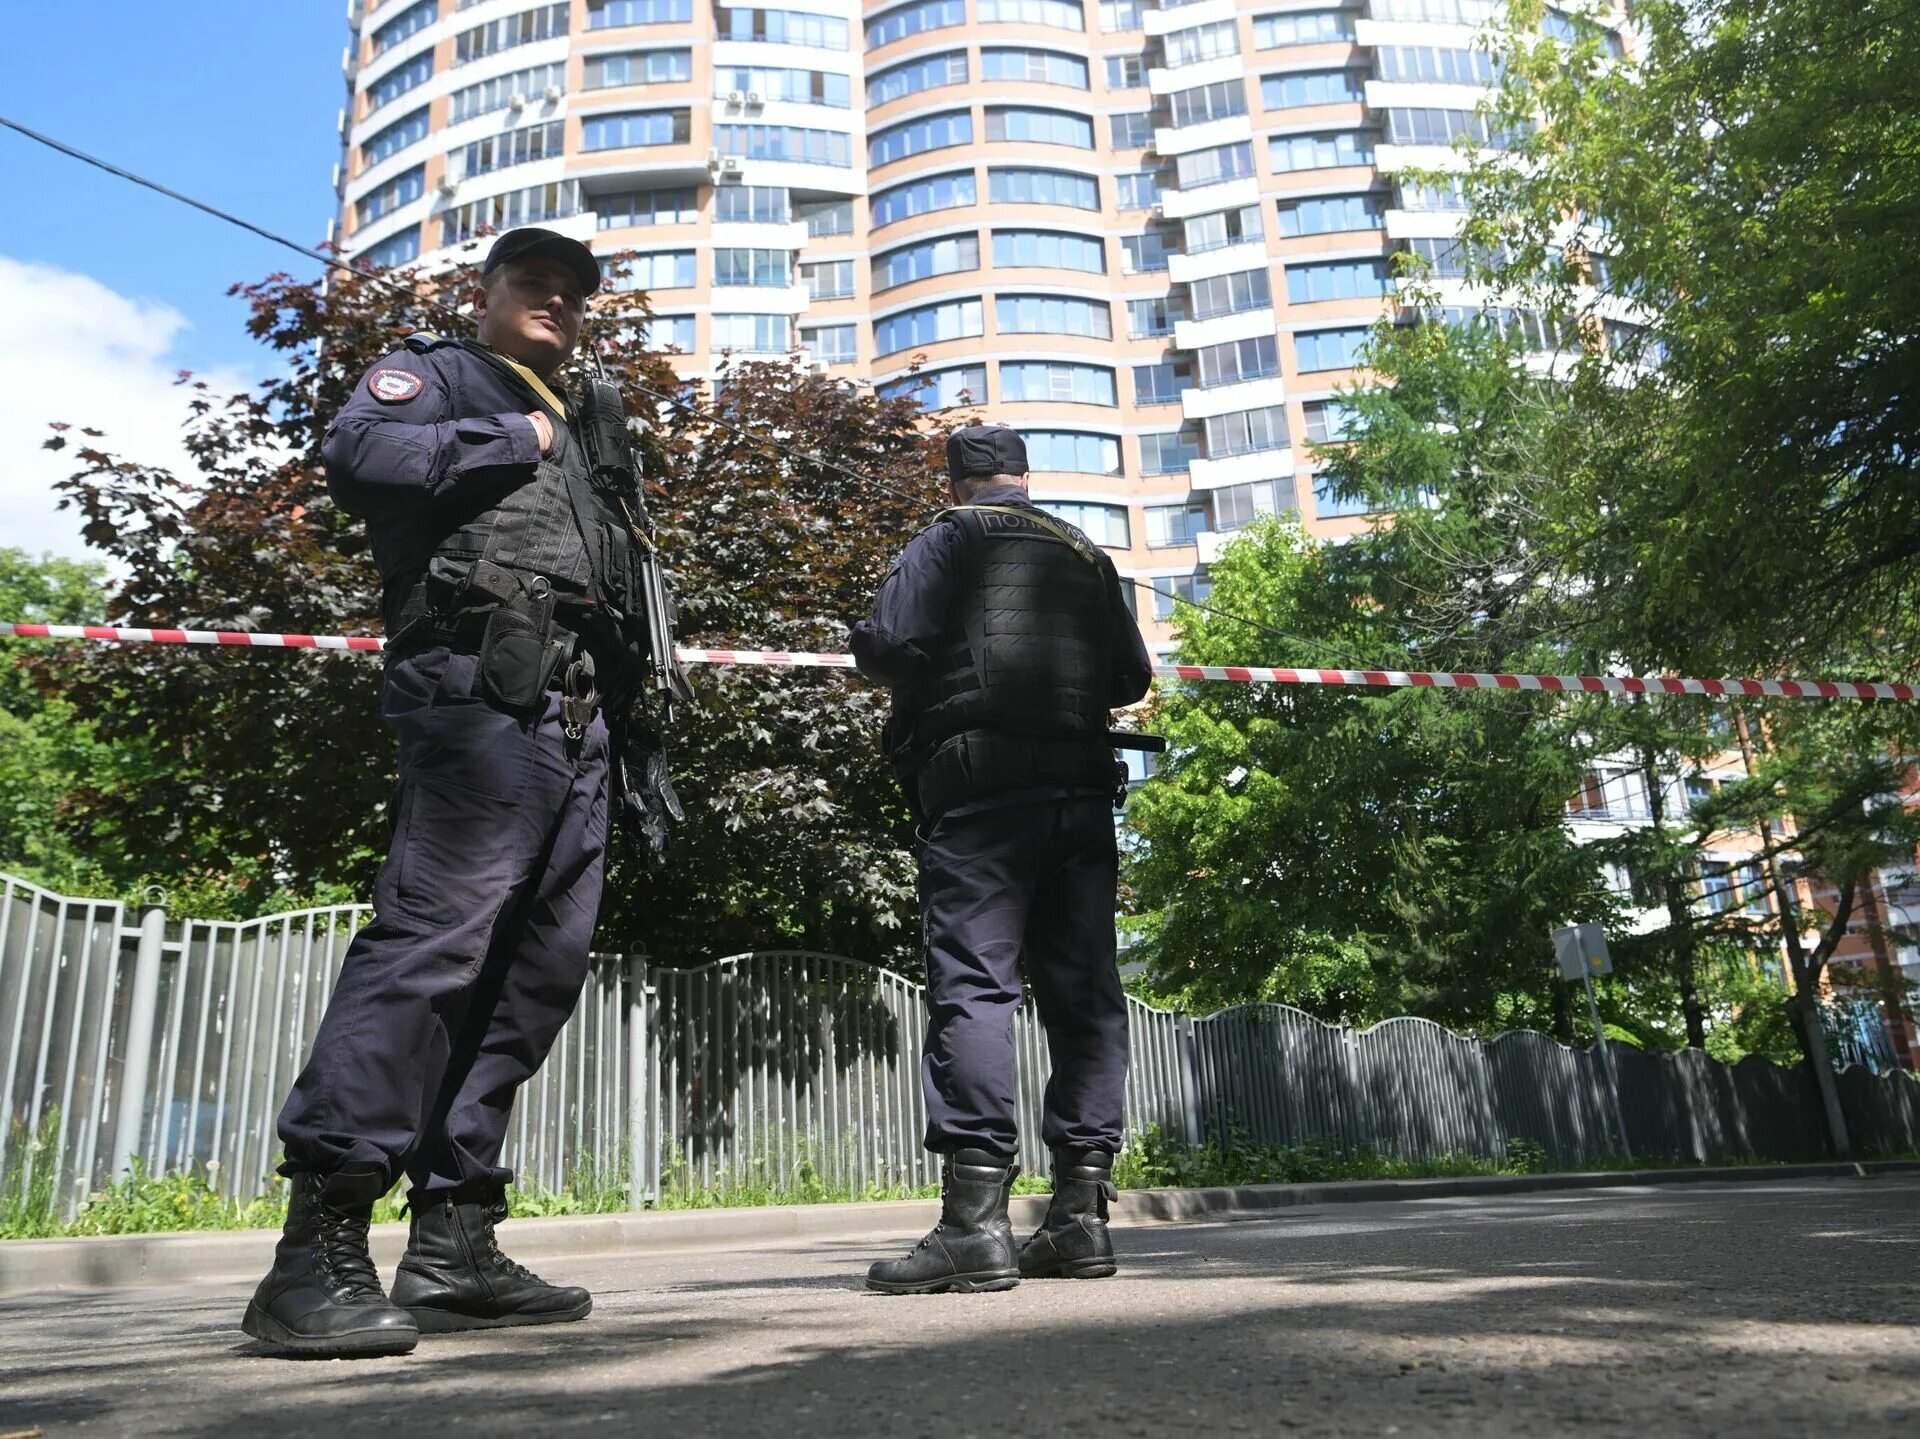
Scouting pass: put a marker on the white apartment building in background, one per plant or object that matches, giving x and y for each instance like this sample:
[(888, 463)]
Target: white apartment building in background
[(1150, 238)]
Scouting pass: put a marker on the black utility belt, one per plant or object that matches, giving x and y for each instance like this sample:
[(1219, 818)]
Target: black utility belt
[(520, 657), (978, 763)]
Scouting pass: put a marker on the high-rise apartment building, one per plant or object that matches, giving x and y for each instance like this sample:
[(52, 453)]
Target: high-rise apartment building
[(1150, 238)]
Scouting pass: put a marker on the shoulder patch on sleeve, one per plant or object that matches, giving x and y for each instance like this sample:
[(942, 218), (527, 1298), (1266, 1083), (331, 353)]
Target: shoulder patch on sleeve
[(394, 387)]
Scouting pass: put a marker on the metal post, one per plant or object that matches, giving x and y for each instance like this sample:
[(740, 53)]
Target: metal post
[(141, 1013), (1606, 1064), (1190, 1077), (639, 1082)]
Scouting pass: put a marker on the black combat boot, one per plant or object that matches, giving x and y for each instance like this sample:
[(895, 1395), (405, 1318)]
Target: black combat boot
[(453, 1275), (1072, 1242), (323, 1295), (971, 1248)]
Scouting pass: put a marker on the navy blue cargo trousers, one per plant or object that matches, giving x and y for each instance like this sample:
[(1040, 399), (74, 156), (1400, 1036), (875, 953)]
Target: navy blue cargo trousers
[(484, 913), (1018, 883)]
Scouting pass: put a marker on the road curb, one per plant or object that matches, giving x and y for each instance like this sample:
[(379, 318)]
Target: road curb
[(122, 1261)]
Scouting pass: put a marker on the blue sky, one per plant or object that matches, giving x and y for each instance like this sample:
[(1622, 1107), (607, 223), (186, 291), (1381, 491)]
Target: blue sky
[(112, 288)]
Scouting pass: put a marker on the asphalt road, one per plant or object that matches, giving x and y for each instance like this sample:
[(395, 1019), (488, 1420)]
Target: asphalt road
[(1757, 1310)]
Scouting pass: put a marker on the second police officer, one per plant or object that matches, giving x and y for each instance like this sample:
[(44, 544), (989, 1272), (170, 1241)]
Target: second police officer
[(510, 537), (1004, 637)]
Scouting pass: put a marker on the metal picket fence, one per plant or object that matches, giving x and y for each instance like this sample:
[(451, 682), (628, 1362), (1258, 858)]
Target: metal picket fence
[(124, 1036)]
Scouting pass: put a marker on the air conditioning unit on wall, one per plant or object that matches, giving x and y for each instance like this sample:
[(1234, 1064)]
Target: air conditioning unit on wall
[(755, 100), (449, 184), (516, 101), (735, 99), (732, 168)]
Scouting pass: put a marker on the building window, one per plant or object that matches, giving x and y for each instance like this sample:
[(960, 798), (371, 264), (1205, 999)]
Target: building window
[(826, 217), (1146, 254), (1328, 349), (1048, 250), (766, 269), (916, 137), (400, 248), (1138, 191), (1219, 101), (1162, 383), (1311, 87), (785, 142), (751, 334), (1223, 228), (933, 73), (1223, 163), (1245, 432), (1131, 131), (532, 206), (1237, 506), (410, 21), (1052, 315), (828, 279), (1427, 198), (1173, 524), (923, 197), (1056, 382), (1229, 294), (396, 137), (1329, 505), (397, 81), (1043, 187), (1118, 16), (402, 189), (637, 67), (1154, 316), (1435, 66), (1325, 151), (1194, 589), (1039, 127), (1105, 525), (647, 207), (634, 128), (752, 205), (939, 389), (1069, 452), (929, 325), (1308, 27), (1234, 362), (1329, 215), (1327, 420), (1442, 127), (1201, 43), (543, 22), (1060, 14), (502, 90), (666, 332), (795, 87), (1034, 67), (499, 152), (785, 27), (950, 255), (905, 20), (656, 270), (610, 14), (1126, 72), (1439, 12), (1171, 453), (1344, 280), (834, 344)]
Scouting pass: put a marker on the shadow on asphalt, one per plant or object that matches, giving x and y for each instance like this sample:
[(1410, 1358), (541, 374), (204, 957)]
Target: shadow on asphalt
[(1770, 1314)]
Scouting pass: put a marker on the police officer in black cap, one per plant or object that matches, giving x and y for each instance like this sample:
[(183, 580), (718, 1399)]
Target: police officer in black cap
[(510, 603), (1004, 637)]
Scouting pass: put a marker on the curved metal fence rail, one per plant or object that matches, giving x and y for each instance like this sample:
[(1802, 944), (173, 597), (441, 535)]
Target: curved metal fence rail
[(787, 1072)]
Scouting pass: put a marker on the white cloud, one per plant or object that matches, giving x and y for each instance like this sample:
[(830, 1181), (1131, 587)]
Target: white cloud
[(73, 350)]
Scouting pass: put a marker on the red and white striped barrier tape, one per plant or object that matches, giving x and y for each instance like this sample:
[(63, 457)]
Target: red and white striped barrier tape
[(1240, 674)]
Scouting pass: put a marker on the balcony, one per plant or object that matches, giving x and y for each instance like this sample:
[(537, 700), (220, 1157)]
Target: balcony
[(1217, 330), (1255, 393), (1225, 195), (1215, 472), (1220, 260), (1168, 141), (760, 299), (1162, 81), (1169, 18)]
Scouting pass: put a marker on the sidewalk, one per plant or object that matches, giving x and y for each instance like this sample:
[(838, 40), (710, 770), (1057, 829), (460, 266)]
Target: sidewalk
[(120, 1261)]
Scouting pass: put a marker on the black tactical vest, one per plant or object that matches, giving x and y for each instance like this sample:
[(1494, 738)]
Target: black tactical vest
[(1018, 691), (555, 548)]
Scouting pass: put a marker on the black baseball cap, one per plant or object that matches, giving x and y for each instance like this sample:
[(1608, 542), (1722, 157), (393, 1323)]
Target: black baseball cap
[(531, 240), (981, 450)]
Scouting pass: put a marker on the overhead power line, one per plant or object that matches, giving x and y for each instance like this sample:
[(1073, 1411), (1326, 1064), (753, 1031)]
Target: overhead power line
[(775, 447)]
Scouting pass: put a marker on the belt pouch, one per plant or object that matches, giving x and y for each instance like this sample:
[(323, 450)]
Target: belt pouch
[(516, 661)]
